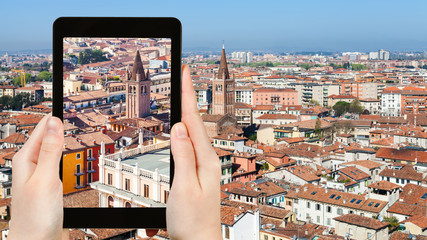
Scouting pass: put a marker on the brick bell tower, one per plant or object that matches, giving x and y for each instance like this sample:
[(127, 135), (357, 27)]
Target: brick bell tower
[(223, 89), (137, 90)]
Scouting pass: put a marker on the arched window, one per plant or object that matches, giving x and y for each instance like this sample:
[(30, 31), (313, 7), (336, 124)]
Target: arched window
[(110, 202), (128, 205)]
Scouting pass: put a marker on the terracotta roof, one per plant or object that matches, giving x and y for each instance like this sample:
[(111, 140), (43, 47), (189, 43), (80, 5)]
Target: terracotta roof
[(269, 188), (212, 118), (402, 154), (419, 220), (413, 194), (228, 214), (391, 90), (242, 105), (220, 152), (383, 185), (341, 96), (291, 140), (332, 196), (223, 68), (354, 173), (365, 163), (246, 192), (274, 212), (229, 137), (86, 198), (366, 222), (303, 173), (308, 124), (403, 172), (88, 139), (278, 116), (15, 138), (263, 107), (407, 209), (273, 90), (398, 235)]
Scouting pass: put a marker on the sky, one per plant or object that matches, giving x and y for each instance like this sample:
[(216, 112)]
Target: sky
[(280, 25)]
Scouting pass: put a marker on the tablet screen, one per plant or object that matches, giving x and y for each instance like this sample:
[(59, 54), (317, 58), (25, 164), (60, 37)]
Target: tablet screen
[(116, 108)]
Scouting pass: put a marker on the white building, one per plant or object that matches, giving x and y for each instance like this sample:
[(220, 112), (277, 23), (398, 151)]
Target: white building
[(244, 94), (391, 102), (372, 105), (320, 206), (137, 177), (238, 224)]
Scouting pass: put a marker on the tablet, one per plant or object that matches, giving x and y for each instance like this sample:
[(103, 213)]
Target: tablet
[(117, 89)]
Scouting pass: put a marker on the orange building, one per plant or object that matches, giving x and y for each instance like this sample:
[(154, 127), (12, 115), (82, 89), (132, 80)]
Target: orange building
[(414, 100)]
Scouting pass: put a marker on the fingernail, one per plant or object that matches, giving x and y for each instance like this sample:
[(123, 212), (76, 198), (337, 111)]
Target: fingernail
[(181, 130), (52, 126)]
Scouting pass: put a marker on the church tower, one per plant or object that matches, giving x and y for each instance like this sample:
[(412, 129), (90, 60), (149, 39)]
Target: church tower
[(223, 89), (137, 90)]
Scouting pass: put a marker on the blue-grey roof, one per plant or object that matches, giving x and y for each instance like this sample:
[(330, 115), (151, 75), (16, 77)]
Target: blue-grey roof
[(159, 159)]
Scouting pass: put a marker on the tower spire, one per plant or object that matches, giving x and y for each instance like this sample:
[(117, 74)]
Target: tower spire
[(138, 73), (223, 68)]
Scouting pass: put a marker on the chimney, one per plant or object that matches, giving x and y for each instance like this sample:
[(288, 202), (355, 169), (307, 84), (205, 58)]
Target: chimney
[(344, 201), (297, 190), (306, 232), (305, 189), (326, 190)]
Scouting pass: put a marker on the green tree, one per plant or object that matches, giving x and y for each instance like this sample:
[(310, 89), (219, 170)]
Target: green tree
[(45, 75), (91, 56), (341, 107), (358, 67), (17, 80), (253, 137), (355, 107), (306, 66), (318, 128), (20, 101), (5, 101), (314, 102), (265, 166), (394, 222)]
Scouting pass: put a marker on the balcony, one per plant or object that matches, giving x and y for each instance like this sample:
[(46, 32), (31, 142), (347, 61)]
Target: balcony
[(91, 158), (79, 186), (90, 171), (78, 173)]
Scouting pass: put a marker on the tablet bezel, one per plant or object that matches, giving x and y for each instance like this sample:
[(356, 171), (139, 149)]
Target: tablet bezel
[(117, 27)]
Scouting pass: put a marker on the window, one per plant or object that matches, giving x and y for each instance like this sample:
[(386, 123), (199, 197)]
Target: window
[(265, 237), (339, 211), (353, 200), (358, 201), (350, 231), (127, 184), (369, 235), (110, 179), (89, 153), (128, 205), (318, 207), (78, 156), (328, 221), (78, 168), (318, 219), (110, 202), (308, 204), (165, 196), (227, 232), (328, 209), (146, 191)]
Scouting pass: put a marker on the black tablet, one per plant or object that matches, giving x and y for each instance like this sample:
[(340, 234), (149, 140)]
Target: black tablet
[(117, 89)]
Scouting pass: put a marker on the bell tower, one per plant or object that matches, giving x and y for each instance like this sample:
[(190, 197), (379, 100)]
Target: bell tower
[(223, 89), (137, 90)]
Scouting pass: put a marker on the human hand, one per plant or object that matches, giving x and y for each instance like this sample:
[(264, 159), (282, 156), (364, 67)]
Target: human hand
[(193, 208), (37, 210)]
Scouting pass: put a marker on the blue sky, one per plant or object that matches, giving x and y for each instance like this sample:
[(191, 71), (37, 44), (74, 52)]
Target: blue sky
[(327, 25)]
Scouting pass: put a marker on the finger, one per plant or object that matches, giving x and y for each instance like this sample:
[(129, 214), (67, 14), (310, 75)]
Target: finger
[(51, 149), (197, 132), (24, 162), (184, 158)]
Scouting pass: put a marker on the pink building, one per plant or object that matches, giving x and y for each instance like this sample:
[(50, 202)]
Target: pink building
[(245, 164), (274, 96)]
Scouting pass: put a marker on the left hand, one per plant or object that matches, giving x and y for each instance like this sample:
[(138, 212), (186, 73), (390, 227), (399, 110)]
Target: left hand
[(37, 207)]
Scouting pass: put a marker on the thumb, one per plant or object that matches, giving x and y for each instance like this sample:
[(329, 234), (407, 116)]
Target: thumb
[(51, 148)]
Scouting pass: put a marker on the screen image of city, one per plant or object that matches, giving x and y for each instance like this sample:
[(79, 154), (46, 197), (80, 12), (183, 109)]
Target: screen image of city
[(116, 122)]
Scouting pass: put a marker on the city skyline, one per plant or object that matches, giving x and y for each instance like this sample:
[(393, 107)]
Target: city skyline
[(284, 26)]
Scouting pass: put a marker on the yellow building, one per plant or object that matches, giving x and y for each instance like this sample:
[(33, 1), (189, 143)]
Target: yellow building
[(73, 166), (7, 90)]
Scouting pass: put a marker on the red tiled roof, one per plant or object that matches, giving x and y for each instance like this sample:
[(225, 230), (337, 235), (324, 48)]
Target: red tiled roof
[(402, 154), (366, 222), (278, 116), (354, 173), (228, 214), (383, 185), (406, 172)]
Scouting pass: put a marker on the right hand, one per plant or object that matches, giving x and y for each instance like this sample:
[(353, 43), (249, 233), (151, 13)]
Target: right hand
[(193, 208)]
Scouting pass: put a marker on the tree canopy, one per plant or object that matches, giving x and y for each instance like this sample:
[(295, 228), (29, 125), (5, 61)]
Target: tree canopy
[(341, 107), (45, 75), (17, 79), (91, 56)]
